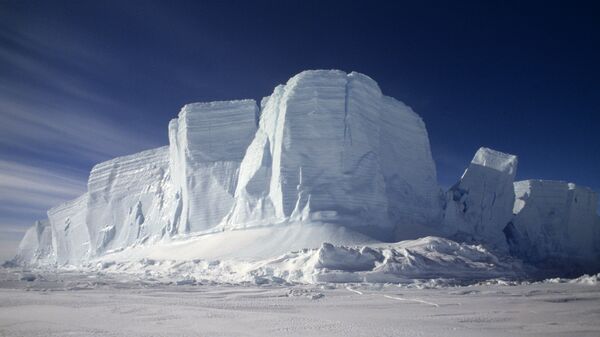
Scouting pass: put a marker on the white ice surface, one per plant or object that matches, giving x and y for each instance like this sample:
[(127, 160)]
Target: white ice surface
[(70, 235), (207, 143), (556, 220), (331, 148), (235, 257), (130, 200), (36, 245), (331, 157), (97, 304), (480, 205)]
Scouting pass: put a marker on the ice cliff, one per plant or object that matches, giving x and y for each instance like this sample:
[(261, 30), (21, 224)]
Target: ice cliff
[(325, 150), (480, 205), (330, 147), (555, 223)]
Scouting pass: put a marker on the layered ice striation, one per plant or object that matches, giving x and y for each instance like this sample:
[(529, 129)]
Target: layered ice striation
[(129, 200), (325, 153), (332, 148), (555, 222), (207, 144)]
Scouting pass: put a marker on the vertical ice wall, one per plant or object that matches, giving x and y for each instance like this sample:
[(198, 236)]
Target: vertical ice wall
[(554, 221), (207, 143), (318, 156), (70, 236), (129, 200), (408, 168), (330, 147), (36, 245), (480, 205)]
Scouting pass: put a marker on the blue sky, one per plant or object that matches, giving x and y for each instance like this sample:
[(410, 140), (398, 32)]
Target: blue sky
[(85, 81)]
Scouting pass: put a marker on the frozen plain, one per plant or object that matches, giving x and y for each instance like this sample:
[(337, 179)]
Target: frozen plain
[(76, 304)]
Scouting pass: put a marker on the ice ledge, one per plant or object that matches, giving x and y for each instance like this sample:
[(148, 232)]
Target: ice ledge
[(496, 160)]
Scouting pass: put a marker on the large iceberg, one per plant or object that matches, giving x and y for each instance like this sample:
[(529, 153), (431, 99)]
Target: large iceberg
[(332, 148), (326, 157)]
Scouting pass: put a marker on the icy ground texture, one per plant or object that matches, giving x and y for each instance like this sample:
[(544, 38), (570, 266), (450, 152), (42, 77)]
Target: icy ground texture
[(326, 158), (93, 304)]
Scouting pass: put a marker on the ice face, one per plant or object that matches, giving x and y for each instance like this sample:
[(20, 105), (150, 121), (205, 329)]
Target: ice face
[(408, 169), (330, 152), (129, 200), (207, 143), (330, 148), (36, 245), (555, 221), (70, 236), (325, 151), (480, 205)]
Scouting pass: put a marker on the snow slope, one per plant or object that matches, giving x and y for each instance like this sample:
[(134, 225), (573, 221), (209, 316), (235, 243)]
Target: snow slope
[(236, 258)]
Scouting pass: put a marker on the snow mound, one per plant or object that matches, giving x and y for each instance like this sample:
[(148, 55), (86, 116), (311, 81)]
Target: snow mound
[(589, 280), (402, 262)]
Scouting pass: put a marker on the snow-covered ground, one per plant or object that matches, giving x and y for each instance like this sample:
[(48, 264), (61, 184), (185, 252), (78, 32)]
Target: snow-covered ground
[(75, 304)]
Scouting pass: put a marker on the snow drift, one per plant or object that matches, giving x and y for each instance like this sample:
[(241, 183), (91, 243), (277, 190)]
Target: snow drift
[(403, 262), (326, 157)]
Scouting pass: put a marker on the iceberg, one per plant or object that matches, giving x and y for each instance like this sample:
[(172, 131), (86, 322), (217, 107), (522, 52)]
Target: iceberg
[(332, 148), (555, 223), (206, 145), (327, 157), (480, 205)]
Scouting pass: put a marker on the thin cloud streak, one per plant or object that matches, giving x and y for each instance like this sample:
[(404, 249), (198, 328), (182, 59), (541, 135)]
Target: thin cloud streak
[(26, 193), (28, 187), (56, 122)]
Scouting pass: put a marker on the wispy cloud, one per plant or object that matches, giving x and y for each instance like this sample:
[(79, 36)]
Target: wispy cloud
[(52, 112), (27, 191), (56, 120)]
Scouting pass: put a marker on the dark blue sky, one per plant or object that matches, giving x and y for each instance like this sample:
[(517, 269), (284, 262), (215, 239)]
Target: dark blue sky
[(84, 81)]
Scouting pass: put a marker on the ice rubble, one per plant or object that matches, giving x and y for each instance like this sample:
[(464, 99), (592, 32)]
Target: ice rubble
[(403, 262), (326, 157)]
